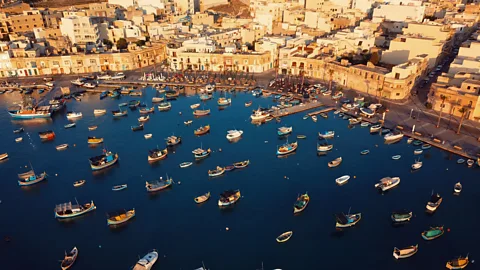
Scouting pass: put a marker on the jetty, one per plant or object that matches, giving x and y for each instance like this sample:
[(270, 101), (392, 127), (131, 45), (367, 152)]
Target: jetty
[(296, 109)]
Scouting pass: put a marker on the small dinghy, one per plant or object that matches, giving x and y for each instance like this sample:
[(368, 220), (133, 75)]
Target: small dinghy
[(119, 217), (458, 263), (91, 128), (185, 164), (3, 156), (79, 183), (20, 130), (426, 146), (71, 125), (143, 118), (301, 137), (457, 188), (335, 162), (417, 165), (119, 187), (410, 140), (417, 151), (61, 146), (194, 106), (229, 168), (19, 139), (470, 163), (148, 136), (396, 157), (402, 216), (365, 124), (216, 172), (314, 118), (305, 117), (301, 203), (69, 259), (405, 252), (187, 122), (284, 237), (433, 233), (349, 220), (375, 128), (365, 152), (202, 198), (434, 203), (241, 164), (460, 161), (342, 180)]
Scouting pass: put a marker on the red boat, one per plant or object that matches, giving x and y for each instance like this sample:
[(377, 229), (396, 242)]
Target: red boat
[(47, 135)]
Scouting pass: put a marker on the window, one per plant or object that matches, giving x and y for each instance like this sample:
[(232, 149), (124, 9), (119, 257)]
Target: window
[(468, 87), (66, 63), (79, 63), (397, 94), (56, 63)]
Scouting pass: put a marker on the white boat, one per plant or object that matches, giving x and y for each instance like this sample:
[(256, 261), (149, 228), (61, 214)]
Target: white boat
[(375, 128), (396, 157), (118, 76), (194, 106), (157, 99), (327, 134), (470, 162), (104, 77), (417, 165), (97, 112), (314, 118), (187, 122), (457, 188), (342, 180), (417, 151), (73, 115), (405, 252), (62, 146), (393, 136), (185, 164), (324, 147), (89, 85), (19, 139), (148, 136), (259, 115), (234, 134), (209, 88), (77, 82), (147, 261), (143, 118), (3, 156), (387, 183)]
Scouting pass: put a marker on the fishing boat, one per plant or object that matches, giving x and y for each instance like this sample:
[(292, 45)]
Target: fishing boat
[(61, 146), (393, 136), (67, 210), (417, 165), (103, 95), (241, 164), (232, 135), (147, 110), (164, 106), (119, 187), (470, 162), (284, 131), (91, 128), (114, 94), (348, 220), (404, 252), (137, 128), (457, 189), (417, 142), (205, 97), (314, 118), (306, 116), (229, 197), (185, 164), (103, 161), (365, 124), (157, 154), (410, 140), (216, 172), (157, 99), (79, 183), (147, 261), (460, 161), (133, 104), (287, 148), (202, 198), (89, 85), (171, 95), (199, 113), (364, 152), (143, 118), (98, 112), (46, 135), (387, 183), (335, 162), (426, 146), (375, 128), (19, 130), (327, 134), (158, 185), (118, 113), (199, 153), (30, 178), (202, 130), (19, 139), (259, 115), (433, 233), (120, 217), (434, 203), (224, 101), (324, 147), (188, 122), (396, 157), (367, 112), (71, 125), (94, 140), (324, 115), (301, 203), (342, 180), (209, 88), (402, 216), (248, 104), (284, 237), (269, 118), (354, 121), (3, 156), (173, 140), (69, 259), (300, 136), (77, 82), (458, 263), (73, 115), (417, 151)]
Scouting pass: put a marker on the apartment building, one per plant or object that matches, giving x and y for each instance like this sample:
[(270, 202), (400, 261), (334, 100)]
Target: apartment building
[(80, 29), (468, 58), (394, 12), (404, 48), (26, 21)]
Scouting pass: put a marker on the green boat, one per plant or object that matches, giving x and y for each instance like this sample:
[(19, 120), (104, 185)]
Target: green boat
[(433, 233), (417, 142)]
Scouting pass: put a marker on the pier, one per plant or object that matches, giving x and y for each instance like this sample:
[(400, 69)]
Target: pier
[(296, 109)]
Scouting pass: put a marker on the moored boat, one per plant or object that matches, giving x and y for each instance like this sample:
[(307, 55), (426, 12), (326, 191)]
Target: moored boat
[(460, 161), (229, 197), (335, 162), (91, 128), (470, 162), (185, 164), (98, 112), (202, 198), (61, 146), (375, 128), (201, 112), (402, 216), (137, 128), (241, 164), (71, 125), (30, 178), (199, 153), (120, 217), (287, 148), (73, 115), (248, 104), (434, 203), (364, 152), (69, 259), (194, 106), (3, 156), (300, 136), (157, 99), (118, 113), (143, 118), (67, 210), (433, 233), (18, 130), (79, 183), (387, 183), (396, 157), (188, 122), (458, 263), (457, 188), (224, 101), (103, 161), (47, 135), (259, 115), (147, 261), (94, 140), (354, 121), (164, 106), (324, 147), (234, 134), (202, 130), (158, 184), (342, 180), (417, 165), (148, 136), (157, 154), (393, 136), (314, 118), (404, 252), (349, 220), (417, 151), (301, 203), (147, 110), (173, 140), (19, 139), (119, 187), (327, 134), (30, 112), (284, 131), (426, 146), (284, 237), (216, 172)]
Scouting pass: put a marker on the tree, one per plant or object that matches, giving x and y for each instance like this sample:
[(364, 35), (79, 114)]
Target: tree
[(122, 44), (330, 73), (108, 43), (443, 98), (464, 111)]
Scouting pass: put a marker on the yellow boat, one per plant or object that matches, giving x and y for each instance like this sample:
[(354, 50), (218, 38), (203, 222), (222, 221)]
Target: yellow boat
[(284, 237), (203, 198), (120, 217), (95, 140)]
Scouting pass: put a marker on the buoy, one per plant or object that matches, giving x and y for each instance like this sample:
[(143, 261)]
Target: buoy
[(25, 166), (74, 145), (56, 174), (354, 176), (447, 169), (219, 149), (99, 246), (285, 177), (227, 228), (448, 230), (179, 182)]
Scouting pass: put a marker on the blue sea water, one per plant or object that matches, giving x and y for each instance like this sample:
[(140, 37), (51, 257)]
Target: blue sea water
[(185, 234)]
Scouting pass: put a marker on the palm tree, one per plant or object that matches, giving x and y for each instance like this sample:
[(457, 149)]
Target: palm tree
[(380, 90), (464, 111), (443, 98), (330, 73)]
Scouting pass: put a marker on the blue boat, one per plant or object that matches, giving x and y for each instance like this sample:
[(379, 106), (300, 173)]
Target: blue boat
[(284, 131), (199, 153), (103, 161), (277, 96), (287, 148), (41, 91), (103, 94), (119, 187), (115, 94), (31, 113), (30, 178), (257, 92)]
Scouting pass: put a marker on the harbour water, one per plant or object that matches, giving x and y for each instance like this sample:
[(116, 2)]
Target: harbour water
[(185, 234)]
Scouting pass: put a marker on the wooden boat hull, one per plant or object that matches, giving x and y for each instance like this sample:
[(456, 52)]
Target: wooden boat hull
[(284, 237), (66, 265), (42, 176), (216, 173), (106, 165), (186, 164), (412, 250), (340, 225), (203, 198), (241, 165), (79, 183), (159, 188), (130, 214), (118, 188), (97, 141), (3, 156), (91, 208)]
